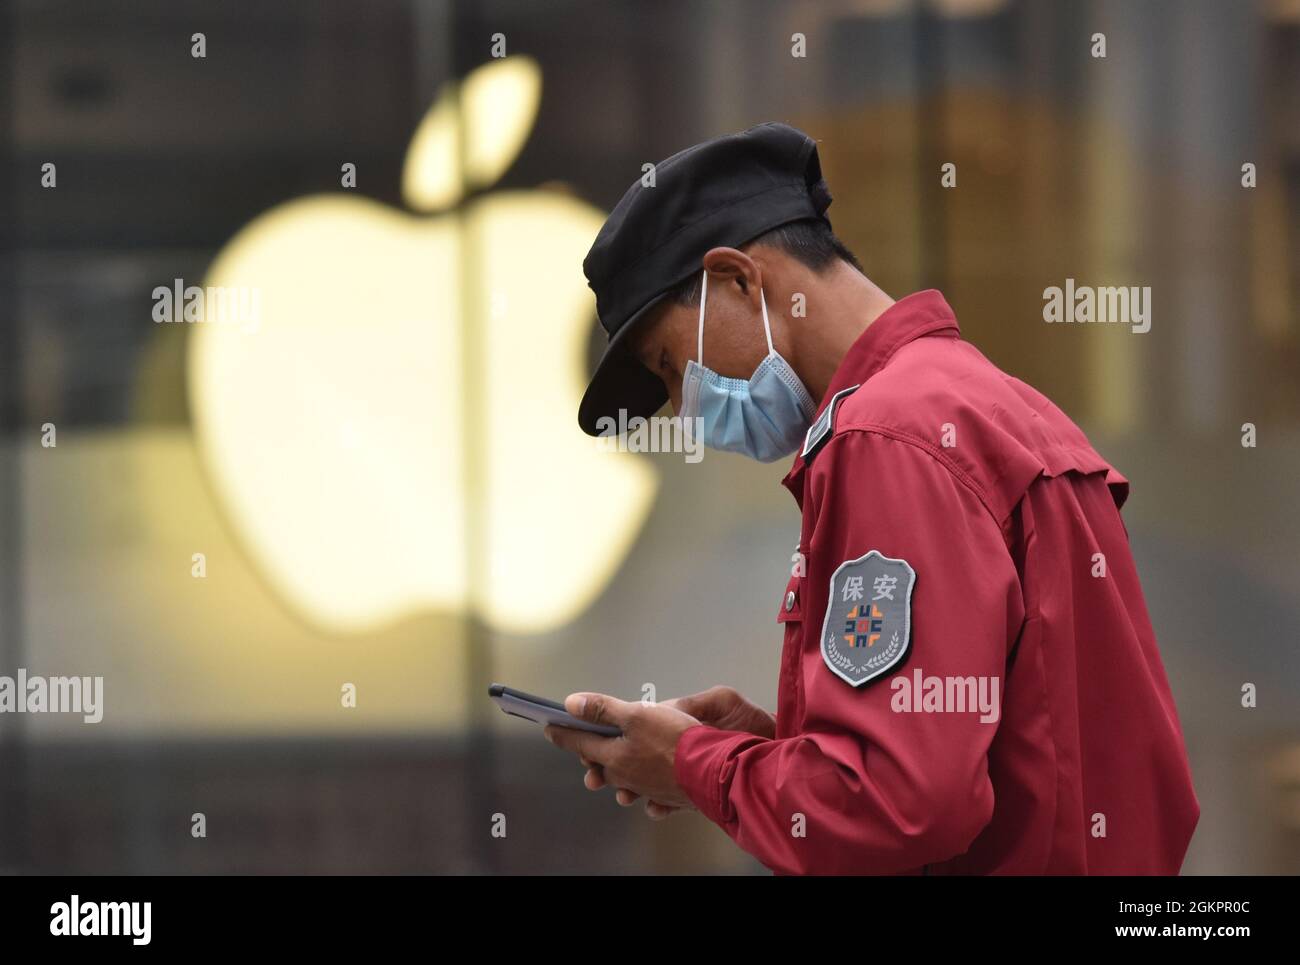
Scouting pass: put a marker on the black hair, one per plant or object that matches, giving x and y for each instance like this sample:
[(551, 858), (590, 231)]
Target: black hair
[(809, 242)]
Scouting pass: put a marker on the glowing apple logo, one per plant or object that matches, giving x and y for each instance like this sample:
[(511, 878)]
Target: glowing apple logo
[(334, 432)]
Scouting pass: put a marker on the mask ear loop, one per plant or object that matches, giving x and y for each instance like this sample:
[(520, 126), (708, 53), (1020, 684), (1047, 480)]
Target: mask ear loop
[(704, 291), (767, 329)]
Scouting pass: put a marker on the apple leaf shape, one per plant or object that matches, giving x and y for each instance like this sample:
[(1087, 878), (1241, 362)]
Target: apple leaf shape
[(431, 173), (494, 109)]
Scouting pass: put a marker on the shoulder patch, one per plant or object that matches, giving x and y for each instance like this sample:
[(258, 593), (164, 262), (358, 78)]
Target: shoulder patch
[(821, 430), (868, 625)]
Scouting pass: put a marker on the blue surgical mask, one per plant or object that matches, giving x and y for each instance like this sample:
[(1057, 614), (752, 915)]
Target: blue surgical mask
[(764, 418)]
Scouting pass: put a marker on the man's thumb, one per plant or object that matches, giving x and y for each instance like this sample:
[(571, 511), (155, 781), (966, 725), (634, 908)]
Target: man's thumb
[(707, 705), (596, 708)]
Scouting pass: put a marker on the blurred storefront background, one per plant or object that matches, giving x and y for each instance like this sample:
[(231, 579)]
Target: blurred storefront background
[(376, 478)]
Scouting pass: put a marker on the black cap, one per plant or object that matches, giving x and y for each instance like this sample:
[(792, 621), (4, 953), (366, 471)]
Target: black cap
[(726, 191)]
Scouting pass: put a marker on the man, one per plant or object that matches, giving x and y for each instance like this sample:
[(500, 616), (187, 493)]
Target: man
[(970, 682)]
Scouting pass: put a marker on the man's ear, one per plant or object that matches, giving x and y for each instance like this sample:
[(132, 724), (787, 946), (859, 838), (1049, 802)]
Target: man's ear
[(735, 266)]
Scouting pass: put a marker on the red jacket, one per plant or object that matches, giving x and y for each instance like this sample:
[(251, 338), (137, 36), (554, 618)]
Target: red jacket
[(989, 505)]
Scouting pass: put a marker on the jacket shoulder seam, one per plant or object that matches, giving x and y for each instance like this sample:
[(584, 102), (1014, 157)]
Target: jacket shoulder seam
[(930, 449)]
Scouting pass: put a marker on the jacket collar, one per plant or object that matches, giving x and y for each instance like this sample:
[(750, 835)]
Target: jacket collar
[(917, 315)]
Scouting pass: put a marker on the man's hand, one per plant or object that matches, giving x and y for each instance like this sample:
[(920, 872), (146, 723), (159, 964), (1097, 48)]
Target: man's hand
[(720, 707), (725, 709), (641, 761)]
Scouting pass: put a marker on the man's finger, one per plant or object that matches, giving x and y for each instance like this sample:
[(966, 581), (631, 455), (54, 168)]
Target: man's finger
[(601, 709), (710, 704), (687, 705), (595, 778), (593, 747), (657, 812)]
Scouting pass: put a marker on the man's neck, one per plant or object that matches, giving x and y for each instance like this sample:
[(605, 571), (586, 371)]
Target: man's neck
[(847, 302)]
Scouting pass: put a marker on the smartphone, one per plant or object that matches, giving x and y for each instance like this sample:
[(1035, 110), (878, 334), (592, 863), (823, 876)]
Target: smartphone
[(516, 703)]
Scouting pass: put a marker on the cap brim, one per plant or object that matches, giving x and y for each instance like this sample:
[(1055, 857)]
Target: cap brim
[(621, 382)]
